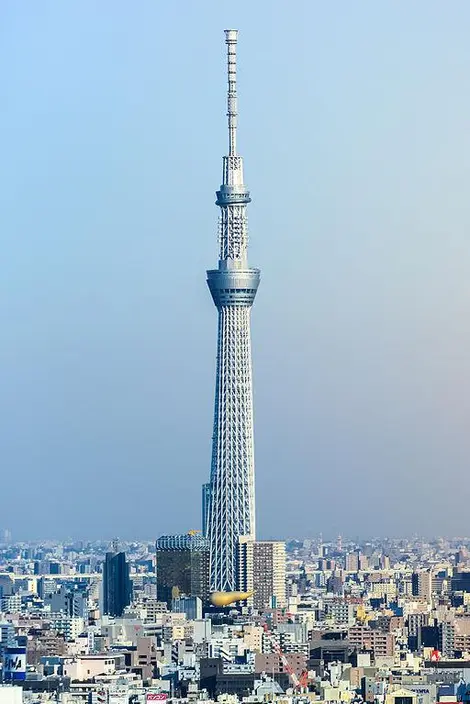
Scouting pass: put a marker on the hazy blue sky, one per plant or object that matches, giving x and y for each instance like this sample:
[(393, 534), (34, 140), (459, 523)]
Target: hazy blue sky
[(355, 127)]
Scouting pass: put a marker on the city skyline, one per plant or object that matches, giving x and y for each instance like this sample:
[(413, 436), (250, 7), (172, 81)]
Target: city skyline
[(354, 126), (134, 623)]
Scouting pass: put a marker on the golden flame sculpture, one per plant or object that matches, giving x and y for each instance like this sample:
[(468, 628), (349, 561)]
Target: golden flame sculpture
[(227, 598)]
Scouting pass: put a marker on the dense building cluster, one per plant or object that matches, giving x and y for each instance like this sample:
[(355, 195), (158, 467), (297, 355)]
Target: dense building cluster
[(381, 621)]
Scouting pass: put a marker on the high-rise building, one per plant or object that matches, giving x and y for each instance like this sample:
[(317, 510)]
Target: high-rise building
[(422, 584), (72, 602), (356, 562), (182, 567), (233, 286), (363, 562), (117, 590), (447, 639), (352, 562), (262, 567), (384, 562)]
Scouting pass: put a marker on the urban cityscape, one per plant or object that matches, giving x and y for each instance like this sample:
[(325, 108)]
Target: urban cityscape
[(328, 620), (213, 613)]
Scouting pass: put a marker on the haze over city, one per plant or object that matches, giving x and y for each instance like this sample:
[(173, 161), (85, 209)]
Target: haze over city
[(354, 129)]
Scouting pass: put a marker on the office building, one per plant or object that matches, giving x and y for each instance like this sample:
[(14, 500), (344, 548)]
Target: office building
[(233, 286), (182, 567), (189, 605), (72, 602), (460, 582), (117, 589)]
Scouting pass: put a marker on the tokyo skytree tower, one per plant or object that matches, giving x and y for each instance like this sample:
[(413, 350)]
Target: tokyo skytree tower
[(231, 505)]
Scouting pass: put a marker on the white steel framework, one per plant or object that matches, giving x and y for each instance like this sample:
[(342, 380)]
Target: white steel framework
[(233, 286)]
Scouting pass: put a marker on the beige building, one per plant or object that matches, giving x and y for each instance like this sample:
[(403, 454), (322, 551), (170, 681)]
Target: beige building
[(423, 581), (366, 638), (383, 588), (352, 562), (262, 569), (253, 638), (153, 609), (89, 666)]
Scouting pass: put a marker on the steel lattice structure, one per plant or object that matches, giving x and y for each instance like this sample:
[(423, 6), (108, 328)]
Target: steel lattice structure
[(233, 286)]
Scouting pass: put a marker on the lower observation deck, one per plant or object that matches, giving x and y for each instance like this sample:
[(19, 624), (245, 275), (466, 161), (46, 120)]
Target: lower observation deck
[(233, 287)]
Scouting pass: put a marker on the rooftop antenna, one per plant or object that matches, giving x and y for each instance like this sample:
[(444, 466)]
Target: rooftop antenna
[(231, 38)]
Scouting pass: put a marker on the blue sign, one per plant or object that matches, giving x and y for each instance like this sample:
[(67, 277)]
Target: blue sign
[(14, 664)]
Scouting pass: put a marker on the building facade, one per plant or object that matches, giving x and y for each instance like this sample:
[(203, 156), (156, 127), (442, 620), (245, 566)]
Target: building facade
[(377, 641), (189, 605), (261, 568), (117, 591), (182, 567)]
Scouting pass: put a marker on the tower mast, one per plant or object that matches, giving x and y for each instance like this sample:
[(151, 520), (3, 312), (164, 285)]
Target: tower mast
[(233, 286), (231, 38)]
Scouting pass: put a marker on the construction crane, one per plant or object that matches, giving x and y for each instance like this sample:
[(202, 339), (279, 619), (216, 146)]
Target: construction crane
[(297, 683), (227, 598)]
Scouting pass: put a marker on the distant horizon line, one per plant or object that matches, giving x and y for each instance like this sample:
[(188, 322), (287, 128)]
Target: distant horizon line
[(326, 540)]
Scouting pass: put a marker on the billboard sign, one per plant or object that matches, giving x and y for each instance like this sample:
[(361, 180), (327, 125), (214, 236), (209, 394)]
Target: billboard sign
[(14, 664), (156, 697)]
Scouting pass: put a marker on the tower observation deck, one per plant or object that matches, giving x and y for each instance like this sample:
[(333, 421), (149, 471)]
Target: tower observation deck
[(233, 286)]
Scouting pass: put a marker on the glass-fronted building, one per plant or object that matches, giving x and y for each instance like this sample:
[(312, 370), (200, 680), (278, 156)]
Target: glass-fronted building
[(182, 567)]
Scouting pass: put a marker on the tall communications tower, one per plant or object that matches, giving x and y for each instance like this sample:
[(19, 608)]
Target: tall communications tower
[(231, 512)]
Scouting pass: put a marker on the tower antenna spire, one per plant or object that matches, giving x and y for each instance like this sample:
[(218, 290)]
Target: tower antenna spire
[(231, 38), (233, 285)]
